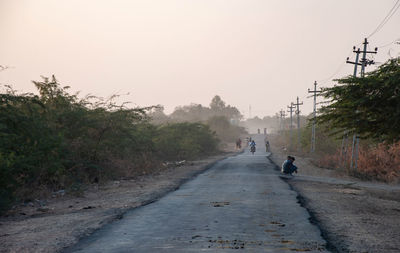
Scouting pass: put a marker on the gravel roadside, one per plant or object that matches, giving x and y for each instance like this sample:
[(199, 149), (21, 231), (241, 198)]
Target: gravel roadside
[(354, 216), (53, 224)]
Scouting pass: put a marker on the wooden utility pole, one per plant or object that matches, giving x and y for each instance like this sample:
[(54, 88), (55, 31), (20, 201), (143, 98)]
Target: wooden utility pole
[(298, 122), (363, 62), (343, 150), (291, 107), (315, 91)]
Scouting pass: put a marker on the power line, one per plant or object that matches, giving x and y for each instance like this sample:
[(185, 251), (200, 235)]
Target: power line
[(323, 81), (390, 43), (386, 18), (339, 68)]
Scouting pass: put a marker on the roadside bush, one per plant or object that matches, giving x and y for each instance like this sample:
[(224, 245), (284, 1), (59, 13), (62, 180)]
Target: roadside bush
[(29, 151), (185, 141), (55, 140), (325, 143)]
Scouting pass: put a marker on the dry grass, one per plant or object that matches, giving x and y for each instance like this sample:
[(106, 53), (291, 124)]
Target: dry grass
[(329, 161), (380, 162), (376, 161)]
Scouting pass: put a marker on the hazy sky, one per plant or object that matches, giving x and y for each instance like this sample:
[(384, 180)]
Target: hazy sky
[(261, 53)]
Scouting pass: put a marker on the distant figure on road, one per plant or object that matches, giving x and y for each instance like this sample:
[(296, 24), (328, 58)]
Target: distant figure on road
[(266, 144), (288, 167), (252, 147), (238, 143)]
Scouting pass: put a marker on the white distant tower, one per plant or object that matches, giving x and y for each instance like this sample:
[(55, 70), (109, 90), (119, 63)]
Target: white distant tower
[(249, 111)]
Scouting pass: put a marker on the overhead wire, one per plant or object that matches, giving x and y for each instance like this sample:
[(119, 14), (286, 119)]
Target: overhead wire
[(386, 18), (338, 69), (390, 43)]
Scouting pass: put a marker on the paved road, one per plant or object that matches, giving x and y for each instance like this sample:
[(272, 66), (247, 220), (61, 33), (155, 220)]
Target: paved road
[(240, 203)]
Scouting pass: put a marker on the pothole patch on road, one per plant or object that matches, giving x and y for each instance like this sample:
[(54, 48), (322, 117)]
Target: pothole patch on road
[(183, 195), (277, 223), (220, 203), (350, 191), (234, 244)]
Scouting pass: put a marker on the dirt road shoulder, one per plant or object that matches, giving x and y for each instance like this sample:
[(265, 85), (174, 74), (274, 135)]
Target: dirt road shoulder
[(354, 216), (64, 219)]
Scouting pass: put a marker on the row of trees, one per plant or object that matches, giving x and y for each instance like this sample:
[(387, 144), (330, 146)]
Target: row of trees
[(368, 106), (223, 119), (57, 140), (197, 112)]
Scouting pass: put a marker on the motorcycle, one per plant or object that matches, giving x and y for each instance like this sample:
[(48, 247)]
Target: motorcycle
[(253, 149)]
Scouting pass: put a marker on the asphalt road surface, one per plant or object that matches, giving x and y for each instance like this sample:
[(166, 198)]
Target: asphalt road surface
[(239, 204)]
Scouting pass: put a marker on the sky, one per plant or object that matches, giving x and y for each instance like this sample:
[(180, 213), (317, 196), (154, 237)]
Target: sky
[(253, 53)]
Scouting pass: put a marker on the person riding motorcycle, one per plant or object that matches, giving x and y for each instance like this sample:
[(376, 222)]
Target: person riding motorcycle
[(252, 146)]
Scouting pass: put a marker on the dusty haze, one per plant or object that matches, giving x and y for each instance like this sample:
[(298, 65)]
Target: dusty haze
[(263, 53)]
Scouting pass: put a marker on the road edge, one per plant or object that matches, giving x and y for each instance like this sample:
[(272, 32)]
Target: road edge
[(302, 201)]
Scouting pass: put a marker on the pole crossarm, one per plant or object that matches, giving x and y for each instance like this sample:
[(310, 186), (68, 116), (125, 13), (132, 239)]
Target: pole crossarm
[(352, 62), (297, 105)]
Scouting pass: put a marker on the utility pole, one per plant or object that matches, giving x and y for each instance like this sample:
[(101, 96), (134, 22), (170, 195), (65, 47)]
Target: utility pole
[(291, 107), (315, 91), (298, 122), (343, 150), (282, 114), (364, 62)]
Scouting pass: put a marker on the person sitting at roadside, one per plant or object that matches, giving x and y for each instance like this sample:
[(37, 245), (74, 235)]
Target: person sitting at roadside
[(288, 167)]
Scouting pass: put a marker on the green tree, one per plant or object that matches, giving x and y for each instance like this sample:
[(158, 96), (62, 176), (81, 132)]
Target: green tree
[(185, 141), (369, 106), (217, 104), (199, 113)]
